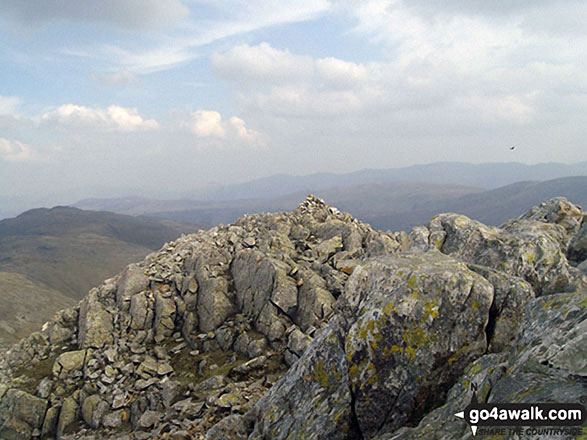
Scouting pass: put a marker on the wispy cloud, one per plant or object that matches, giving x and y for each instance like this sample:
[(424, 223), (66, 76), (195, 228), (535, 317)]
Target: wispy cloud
[(185, 42), (116, 79)]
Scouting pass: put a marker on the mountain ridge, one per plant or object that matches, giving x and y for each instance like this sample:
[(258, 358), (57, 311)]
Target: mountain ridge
[(312, 323), (389, 204)]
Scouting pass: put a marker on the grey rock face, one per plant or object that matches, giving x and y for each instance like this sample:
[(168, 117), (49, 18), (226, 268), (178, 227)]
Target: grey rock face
[(547, 356), (313, 399)]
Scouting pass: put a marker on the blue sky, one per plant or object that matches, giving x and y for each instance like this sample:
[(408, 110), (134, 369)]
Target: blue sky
[(155, 98)]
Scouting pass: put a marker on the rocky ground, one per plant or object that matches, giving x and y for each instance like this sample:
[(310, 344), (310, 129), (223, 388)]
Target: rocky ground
[(311, 325)]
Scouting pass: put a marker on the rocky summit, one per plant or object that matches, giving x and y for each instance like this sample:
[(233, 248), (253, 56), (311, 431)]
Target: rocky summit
[(311, 325)]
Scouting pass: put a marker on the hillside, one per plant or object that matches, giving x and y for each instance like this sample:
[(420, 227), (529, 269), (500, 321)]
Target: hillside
[(310, 324), (70, 250), (25, 305)]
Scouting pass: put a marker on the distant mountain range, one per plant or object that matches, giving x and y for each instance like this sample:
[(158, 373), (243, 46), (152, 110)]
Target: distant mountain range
[(486, 176), (49, 258), (385, 205)]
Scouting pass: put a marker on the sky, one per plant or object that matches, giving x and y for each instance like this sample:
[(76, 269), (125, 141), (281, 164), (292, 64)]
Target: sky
[(153, 98)]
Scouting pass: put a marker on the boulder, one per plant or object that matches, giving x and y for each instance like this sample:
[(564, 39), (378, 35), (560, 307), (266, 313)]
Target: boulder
[(94, 409), (418, 320), (68, 362), (132, 280), (68, 417), (20, 414), (95, 322)]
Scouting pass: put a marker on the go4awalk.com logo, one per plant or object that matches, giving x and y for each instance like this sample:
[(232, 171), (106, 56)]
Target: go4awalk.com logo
[(560, 418)]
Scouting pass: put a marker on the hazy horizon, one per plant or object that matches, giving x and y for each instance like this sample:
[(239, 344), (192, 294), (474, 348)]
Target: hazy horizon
[(13, 206), (151, 98)]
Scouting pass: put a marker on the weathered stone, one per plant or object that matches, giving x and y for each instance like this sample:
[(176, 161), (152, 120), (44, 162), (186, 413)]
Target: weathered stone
[(149, 418), (59, 334), (578, 246), (298, 342), (95, 323), (164, 369), (313, 400), (285, 292), (68, 416), (44, 389), (420, 320), (68, 362), (20, 414), (252, 365), (132, 280), (228, 400), (50, 423), (189, 285), (328, 248), (253, 279), (256, 347), (315, 301), (233, 427), (542, 367), (141, 312), (165, 312), (395, 334), (558, 211), (114, 419), (213, 303), (523, 248), (93, 410), (511, 294), (148, 367)]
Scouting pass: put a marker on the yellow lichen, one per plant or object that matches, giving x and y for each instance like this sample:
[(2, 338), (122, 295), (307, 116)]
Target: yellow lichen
[(412, 281), (430, 310)]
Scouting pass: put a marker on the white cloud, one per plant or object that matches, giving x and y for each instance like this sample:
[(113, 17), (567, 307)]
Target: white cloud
[(112, 118), (207, 123), (128, 14), (15, 151), (232, 132)]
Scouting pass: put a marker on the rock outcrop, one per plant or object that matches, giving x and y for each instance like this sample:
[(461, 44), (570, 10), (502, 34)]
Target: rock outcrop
[(312, 325)]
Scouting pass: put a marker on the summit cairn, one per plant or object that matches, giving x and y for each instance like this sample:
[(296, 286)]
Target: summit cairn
[(307, 323)]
